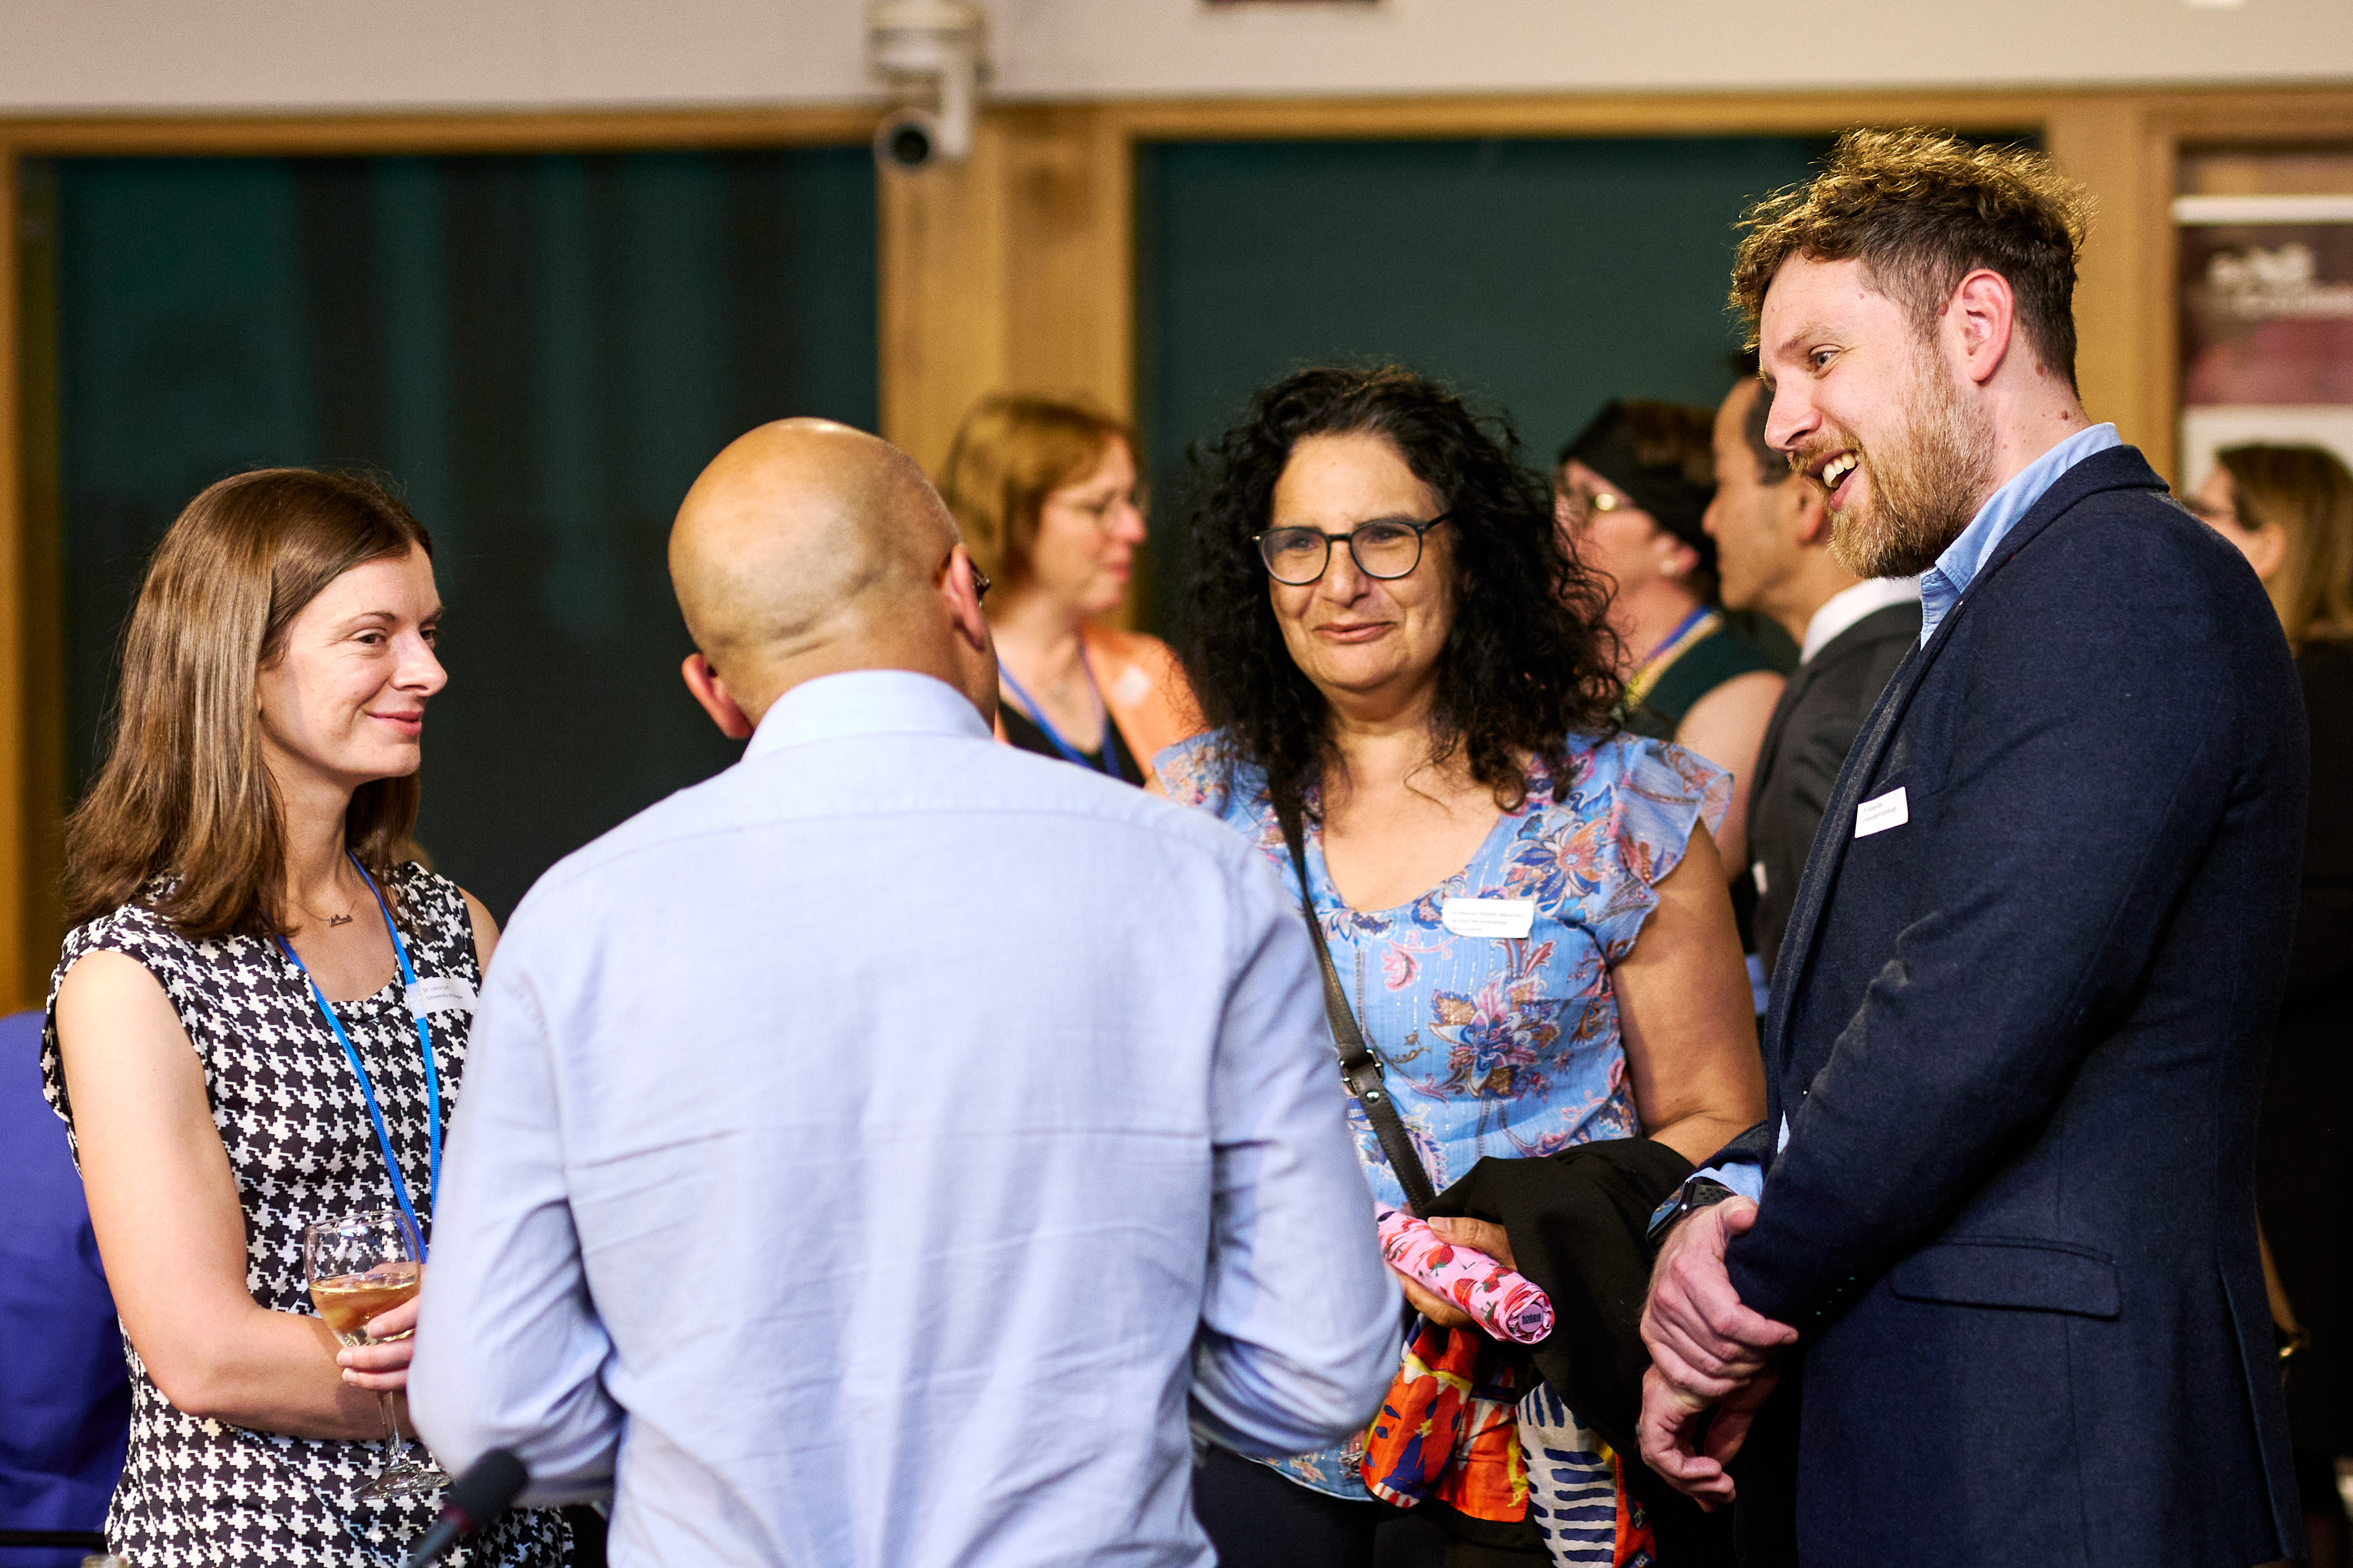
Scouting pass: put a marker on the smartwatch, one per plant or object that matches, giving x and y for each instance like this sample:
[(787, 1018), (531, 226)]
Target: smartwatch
[(1693, 1196)]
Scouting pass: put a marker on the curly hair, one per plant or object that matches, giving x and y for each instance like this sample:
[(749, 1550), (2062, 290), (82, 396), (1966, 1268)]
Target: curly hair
[(1921, 210), (1527, 662)]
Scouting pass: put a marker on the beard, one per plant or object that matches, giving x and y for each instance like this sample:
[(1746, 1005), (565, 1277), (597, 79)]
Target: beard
[(1926, 486)]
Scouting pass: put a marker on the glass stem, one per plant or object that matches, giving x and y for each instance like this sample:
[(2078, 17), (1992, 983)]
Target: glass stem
[(393, 1446)]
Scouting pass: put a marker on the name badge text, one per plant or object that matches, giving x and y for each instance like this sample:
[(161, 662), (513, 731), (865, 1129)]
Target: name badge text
[(1510, 919), (1890, 810), (441, 993)]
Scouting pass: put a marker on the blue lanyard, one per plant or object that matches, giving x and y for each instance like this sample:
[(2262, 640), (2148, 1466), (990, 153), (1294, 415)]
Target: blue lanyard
[(367, 1089), (1683, 628), (1037, 716)]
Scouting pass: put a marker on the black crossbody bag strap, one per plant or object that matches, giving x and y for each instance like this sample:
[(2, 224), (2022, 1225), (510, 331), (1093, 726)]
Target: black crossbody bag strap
[(1358, 1066)]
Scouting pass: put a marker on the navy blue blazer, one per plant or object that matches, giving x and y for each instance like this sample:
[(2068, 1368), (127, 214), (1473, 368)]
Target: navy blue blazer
[(2019, 1041)]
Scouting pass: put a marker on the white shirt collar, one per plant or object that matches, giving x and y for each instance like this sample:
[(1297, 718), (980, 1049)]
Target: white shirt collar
[(1848, 605), (866, 702)]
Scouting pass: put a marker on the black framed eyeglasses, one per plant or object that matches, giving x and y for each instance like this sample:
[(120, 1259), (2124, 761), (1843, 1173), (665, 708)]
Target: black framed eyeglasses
[(1386, 548), (979, 584)]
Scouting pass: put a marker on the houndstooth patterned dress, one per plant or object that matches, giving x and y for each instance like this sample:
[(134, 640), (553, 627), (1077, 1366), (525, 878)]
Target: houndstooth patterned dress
[(204, 1494)]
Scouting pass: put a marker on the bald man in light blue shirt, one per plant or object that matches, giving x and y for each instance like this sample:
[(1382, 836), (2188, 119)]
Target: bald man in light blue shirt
[(883, 1152)]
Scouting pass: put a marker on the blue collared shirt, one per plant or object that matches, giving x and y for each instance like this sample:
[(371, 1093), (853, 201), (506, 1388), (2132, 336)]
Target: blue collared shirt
[(1942, 585), (874, 1154)]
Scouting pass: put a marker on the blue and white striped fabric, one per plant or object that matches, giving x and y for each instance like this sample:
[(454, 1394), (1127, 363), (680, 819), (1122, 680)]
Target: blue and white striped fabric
[(1572, 1487)]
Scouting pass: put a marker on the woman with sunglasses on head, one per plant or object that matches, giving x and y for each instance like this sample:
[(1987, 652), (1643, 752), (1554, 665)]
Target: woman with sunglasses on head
[(1045, 490), (1524, 907), (260, 1019)]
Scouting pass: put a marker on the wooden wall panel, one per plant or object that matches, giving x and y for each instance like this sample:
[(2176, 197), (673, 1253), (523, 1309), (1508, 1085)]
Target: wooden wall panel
[(2124, 359), (943, 237), (1010, 272)]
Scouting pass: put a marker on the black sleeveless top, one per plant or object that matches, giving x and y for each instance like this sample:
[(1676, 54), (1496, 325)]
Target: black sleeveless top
[(1723, 655), (1025, 733)]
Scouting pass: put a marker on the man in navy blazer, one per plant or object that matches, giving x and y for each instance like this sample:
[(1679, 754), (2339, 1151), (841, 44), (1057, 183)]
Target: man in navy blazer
[(1996, 1300)]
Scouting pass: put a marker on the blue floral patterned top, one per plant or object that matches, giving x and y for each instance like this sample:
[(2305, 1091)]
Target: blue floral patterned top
[(1494, 1046)]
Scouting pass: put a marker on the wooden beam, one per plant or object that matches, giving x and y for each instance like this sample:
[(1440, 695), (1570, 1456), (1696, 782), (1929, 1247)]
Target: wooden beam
[(941, 285), (363, 135), (2124, 304), (1576, 114), (1011, 271)]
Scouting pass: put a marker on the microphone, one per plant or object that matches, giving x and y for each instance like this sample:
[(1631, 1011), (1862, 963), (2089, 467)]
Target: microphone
[(475, 1498)]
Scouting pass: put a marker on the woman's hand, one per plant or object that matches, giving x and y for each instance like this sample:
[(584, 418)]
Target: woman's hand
[(1476, 1235), (383, 1367)]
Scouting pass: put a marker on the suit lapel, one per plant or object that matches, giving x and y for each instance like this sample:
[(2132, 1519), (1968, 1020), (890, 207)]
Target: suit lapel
[(2121, 468), (1829, 845)]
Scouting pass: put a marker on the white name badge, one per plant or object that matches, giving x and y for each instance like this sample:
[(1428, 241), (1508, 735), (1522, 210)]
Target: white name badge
[(1757, 869), (1890, 810), (1508, 918), (441, 993)]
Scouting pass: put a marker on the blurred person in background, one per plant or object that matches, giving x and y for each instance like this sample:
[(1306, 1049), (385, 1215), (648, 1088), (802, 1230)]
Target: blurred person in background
[(233, 1011), (1407, 672), (1045, 490), (2290, 512), (1773, 553), (1630, 494)]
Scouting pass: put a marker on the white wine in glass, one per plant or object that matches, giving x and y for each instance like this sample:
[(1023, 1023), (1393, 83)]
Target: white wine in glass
[(359, 1267)]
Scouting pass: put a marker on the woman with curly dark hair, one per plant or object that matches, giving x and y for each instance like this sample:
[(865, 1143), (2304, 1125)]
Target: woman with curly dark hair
[(1407, 676)]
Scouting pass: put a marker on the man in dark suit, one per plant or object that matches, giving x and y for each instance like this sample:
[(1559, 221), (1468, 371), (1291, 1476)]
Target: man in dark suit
[(1773, 555), (1998, 1301)]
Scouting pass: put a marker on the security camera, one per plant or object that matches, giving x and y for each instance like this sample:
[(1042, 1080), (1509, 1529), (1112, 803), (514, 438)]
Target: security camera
[(919, 44), (908, 140)]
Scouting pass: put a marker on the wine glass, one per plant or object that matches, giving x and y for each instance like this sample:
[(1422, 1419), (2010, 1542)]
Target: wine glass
[(358, 1267)]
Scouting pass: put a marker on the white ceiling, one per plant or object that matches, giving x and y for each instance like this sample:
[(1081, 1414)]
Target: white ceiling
[(260, 55)]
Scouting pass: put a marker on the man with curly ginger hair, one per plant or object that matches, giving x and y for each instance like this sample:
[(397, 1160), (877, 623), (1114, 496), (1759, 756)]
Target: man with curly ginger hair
[(1999, 1220)]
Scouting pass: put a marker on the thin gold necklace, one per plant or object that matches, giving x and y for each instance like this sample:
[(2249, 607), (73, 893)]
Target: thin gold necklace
[(332, 920)]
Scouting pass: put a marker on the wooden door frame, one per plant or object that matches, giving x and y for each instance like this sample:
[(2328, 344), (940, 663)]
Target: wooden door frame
[(1019, 269)]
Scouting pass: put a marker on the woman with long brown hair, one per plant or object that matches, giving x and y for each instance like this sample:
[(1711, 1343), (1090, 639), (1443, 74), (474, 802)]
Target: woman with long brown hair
[(2289, 510), (260, 1019)]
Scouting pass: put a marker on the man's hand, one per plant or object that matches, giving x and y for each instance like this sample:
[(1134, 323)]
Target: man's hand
[(1667, 1436), (1478, 1236), (1703, 1344)]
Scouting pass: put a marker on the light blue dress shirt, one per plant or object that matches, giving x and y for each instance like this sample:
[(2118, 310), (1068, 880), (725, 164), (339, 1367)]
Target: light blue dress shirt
[(878, 1153), (1941, 587)]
